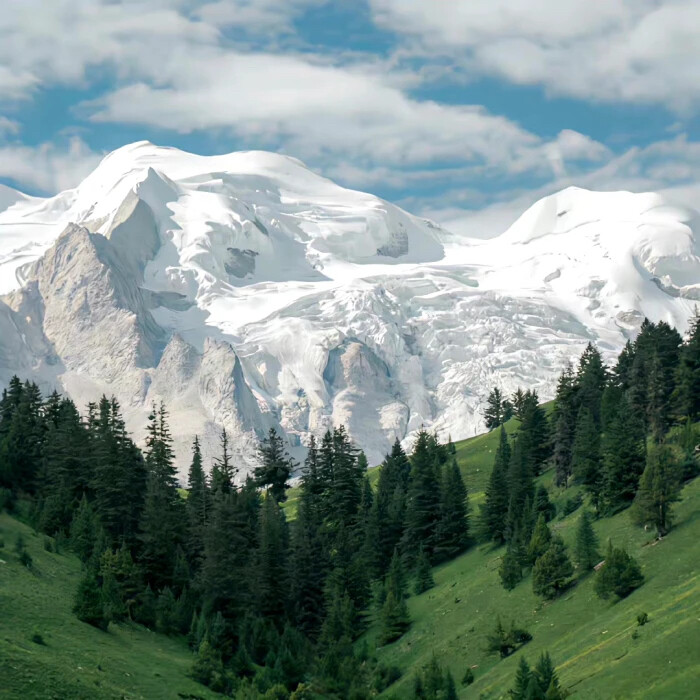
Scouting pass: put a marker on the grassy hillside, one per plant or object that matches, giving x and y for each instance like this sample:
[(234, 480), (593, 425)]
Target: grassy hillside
[(598, 649), (77, 661)]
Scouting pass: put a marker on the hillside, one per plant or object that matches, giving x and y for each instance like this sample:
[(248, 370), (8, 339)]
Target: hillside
[(599, 651), (77, 661)]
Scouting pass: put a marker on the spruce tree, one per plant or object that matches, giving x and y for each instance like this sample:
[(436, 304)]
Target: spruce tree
[(424, 574), (624, 455), (543, 505), (452, 532), (540, 541), (546, 673), (394, 618), (585, 460), (272, 584), (493, 413), (686, 396), (619, 575), (510, 571), (492, 516), (275, 467), (197, 505), (659, 488), (88, 601), (522, 680), (586, 550), (223, 472), (552, 571)]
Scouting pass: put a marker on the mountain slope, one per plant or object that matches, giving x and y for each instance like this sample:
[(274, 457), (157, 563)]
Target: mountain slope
[(248, 292), (598, 649)]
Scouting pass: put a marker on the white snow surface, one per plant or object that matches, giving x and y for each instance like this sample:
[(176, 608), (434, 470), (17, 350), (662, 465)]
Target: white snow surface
[(254, 293)]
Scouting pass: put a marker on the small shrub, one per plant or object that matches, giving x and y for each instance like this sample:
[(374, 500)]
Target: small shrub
[(505, 641), (37, 637), (635, 634), (642, 619), (468, 677), (23, 555), (48, 544)]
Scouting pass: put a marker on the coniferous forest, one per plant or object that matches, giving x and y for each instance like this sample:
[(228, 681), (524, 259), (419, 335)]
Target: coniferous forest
[(274, 608)]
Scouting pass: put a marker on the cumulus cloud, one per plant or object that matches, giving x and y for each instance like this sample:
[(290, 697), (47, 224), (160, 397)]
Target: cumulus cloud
[(618, 50)]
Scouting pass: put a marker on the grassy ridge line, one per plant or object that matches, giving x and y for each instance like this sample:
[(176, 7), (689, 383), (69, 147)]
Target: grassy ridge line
[(590, 640), (78, 660)]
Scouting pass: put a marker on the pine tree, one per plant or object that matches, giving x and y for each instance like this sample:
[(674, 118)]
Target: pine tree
[(88, 601), (423, 501), (585, 460), (686, 396), (493, 414), (534, 434), (492, 516), (619, 575), (197, 506), (522, 680), (82, 530), (272, 584), (624, 455), (552, 571), (452, 532), (591, 379), (424, 574), (275, 467), (521, 489), (543, 505), (659, 488), (163, 514), (586, 551), (546, 673), (394, 618), (223, 473), (540, 541), (510, 570)]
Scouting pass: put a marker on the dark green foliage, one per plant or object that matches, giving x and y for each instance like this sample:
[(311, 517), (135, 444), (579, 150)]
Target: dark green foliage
[(504, 641), (642, 619), (659, 488), (624, 456), (271, 581), (424, 574), (540, 540), (686, 396), (497, 409), (552, 571), (394, 618), (523, 675), (452, 533), (433, 683), (88, 601), (511, 570), (197, 506), (586, 463), (25, 559), (533, 434), (586, 548), (571, 505), (82, 530), (275, 468), (543, 505), (619, 575), (492, 516), (37, 638), (468, 677)]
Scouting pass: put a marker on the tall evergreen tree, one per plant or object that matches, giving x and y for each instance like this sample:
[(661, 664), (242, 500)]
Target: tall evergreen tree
[(552, 571), (272, 573), (223, 473), (659, 488), (619, 575), (494, 411), (492, 516), (452, 533), (275, 467), (586, 463), (586, 551), (197, 506), (686, 395), (564, 422)]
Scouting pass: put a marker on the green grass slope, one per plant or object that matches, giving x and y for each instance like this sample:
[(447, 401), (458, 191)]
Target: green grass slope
[(77, 661), (598, 649)]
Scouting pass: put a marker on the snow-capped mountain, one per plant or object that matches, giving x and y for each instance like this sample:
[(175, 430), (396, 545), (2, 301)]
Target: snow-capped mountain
[(247, 292)]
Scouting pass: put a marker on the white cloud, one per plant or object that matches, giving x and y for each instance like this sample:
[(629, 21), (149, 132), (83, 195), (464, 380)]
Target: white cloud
[(617, 50), (48, 167)]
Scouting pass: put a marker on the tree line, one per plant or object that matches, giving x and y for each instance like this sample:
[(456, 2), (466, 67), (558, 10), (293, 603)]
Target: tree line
[(271, 608)]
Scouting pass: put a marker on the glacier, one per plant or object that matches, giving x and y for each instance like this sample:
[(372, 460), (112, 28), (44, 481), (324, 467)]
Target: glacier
[(247, 292)]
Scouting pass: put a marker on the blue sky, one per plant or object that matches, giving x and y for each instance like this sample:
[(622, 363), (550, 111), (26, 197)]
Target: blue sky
[(463, 110)]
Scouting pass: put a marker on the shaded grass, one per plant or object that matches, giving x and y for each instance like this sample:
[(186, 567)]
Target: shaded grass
[(77, 660)]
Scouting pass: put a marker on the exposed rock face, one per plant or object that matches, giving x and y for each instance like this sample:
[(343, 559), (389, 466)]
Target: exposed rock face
[(246, 293)]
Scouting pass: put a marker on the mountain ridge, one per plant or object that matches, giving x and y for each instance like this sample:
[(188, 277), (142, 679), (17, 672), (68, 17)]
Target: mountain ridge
[(250, 293)]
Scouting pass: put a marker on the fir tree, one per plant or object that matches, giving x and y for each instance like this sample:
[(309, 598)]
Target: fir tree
[(546, 673), (585, 460), (493, 414), (624, 454), (424, 574), (88, 601), (586, 551), (619, 575), (452, 532), (552, 571), (543, 505), (540, 541), (659, 488), (423, 501), (492, 516), (510, 570), (686, 396), (275, 467), (272, 572), (197, 506), (394, 618), (223, 472), (523, 675), (82, 530)]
